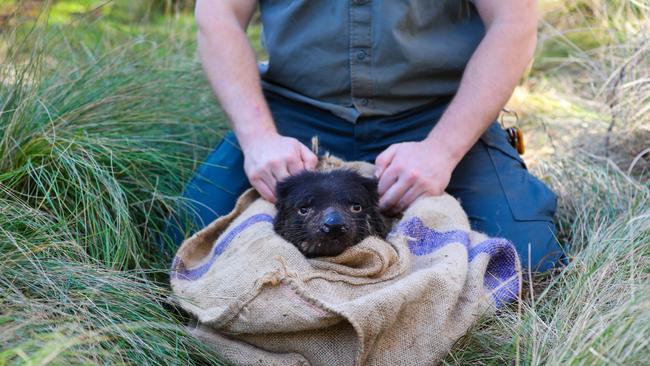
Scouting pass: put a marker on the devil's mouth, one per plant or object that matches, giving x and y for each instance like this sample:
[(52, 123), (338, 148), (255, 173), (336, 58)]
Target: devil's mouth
[(325, 247)]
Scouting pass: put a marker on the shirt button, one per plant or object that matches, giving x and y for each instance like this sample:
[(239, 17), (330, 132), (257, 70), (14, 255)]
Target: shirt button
[(361, 55), (364, 102)]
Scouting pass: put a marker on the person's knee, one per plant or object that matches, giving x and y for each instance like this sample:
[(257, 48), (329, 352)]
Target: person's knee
[(503, 199), (536, 243), (535, 240)]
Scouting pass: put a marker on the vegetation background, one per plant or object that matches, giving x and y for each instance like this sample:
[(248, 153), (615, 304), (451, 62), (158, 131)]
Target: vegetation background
[(105, 113)]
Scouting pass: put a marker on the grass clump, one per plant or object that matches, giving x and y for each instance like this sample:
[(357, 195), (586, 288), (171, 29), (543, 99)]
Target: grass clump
[(585, 111), (104, 144), (97, 141), (595, 310), (588, 88), (60, 306)]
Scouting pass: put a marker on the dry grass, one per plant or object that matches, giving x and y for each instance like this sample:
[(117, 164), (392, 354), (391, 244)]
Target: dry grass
[(585, 107)]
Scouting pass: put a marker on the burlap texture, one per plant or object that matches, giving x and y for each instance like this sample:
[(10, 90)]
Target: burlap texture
[(400, 301)]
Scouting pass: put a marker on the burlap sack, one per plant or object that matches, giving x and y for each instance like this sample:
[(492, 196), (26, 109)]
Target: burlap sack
[(400, 301)]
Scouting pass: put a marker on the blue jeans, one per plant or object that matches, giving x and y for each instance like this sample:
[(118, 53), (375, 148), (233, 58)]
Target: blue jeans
[(492, 182)]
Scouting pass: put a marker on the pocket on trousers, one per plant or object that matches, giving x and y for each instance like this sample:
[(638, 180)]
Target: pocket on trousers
[(528, 197)]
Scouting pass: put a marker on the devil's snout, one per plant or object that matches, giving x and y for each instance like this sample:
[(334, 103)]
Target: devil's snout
[(333, 223)]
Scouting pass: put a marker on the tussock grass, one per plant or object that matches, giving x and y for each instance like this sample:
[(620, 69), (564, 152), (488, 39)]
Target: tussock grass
[(60, 305), (102, 123), (596, 309), (586, 101), (590, 84), (103, 143), (97, 141)]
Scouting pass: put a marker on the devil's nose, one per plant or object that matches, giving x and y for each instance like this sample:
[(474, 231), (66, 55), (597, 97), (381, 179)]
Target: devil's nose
[(333, 222)]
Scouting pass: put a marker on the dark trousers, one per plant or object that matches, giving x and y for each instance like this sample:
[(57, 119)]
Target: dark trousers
[(492, 182)]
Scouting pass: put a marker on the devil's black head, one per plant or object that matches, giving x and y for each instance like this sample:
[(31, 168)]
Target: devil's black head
[(322, 214)]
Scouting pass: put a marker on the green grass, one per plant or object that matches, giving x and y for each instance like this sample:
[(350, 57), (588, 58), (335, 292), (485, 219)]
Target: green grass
[(104, 118), (98, 135), (60, 306)]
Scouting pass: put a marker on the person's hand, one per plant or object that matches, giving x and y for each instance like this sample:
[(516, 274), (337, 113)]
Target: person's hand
[(271, 158), (409, 170)]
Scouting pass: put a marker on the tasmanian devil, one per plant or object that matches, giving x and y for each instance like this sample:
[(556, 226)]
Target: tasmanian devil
[(323, 213)]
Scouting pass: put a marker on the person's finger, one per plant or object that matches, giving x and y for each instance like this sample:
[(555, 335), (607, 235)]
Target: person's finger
[(309, 159), (280, 172), (396, 191), (295, 166), (408, 198), (267, 177), (384, 159), (264, 190), (386, 180)]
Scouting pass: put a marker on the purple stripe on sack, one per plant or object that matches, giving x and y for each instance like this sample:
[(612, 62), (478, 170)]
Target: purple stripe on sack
[(179, 271), (501, 274)]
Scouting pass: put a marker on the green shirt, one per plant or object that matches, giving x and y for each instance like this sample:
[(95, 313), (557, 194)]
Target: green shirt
[(367, 57)]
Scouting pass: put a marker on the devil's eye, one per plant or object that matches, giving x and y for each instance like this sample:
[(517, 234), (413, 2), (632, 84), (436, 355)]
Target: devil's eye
[(355, 207), (303, 210)]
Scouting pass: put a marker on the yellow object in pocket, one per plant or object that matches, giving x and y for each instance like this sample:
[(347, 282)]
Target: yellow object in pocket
[(516, 139)]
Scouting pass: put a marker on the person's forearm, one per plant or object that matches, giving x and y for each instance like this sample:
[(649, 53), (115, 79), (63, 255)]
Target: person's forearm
[(489, 79), (229, 63)]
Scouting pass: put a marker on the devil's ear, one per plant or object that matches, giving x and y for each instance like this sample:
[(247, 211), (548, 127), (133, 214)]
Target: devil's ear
[(283, 187), (369, 184), (292, 188)]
